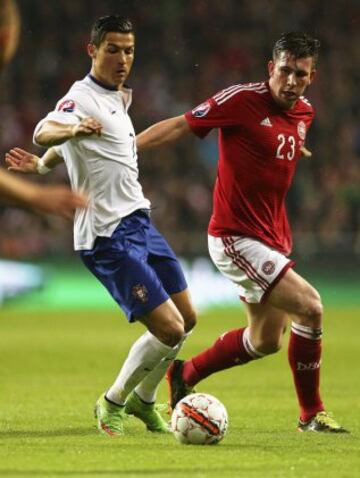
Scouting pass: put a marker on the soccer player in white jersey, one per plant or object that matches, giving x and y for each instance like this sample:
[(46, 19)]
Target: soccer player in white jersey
[(90, 130), (262, 129)]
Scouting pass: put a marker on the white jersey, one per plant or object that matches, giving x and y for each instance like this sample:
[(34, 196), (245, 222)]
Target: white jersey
[(105, 168)]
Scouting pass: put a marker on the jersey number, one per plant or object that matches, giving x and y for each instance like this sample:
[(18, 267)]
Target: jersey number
[(283, 140)]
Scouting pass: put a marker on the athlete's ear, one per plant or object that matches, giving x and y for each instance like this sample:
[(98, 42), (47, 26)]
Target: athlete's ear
[(312, 76), (271, 67), (91, 49)]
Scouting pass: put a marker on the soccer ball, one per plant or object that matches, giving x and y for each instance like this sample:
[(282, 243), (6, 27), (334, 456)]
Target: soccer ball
[(199, 419)]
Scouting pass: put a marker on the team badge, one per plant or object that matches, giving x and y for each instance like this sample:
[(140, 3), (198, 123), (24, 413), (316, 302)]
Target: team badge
[(201, 110), (140, 293), (68, 106), (301, 129), (268, 268)]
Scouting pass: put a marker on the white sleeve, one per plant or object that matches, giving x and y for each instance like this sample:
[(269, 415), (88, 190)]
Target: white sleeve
[(67, 111)]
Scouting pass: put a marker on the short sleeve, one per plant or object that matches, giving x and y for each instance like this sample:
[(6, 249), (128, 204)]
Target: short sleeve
[(225, 109), (69, 110)]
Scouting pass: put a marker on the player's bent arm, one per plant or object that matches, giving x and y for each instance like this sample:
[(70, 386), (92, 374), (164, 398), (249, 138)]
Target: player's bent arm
[(164, 132), (52, 133)]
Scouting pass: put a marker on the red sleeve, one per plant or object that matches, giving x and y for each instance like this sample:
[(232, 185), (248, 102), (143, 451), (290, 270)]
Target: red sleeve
[(222, 110)]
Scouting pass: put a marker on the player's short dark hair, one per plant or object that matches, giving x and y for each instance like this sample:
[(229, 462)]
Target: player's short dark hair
[(109, 23), (298, 44)]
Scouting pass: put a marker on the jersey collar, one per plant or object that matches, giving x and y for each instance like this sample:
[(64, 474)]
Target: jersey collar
[(125, 92), (101, 84)]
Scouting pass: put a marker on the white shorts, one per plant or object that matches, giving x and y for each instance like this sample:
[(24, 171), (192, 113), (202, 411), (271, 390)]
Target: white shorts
[(253, 266)]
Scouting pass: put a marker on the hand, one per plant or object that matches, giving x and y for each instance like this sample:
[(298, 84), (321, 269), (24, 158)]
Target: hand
[(305, 153), (21, 161), (87, 127), (58, 200)]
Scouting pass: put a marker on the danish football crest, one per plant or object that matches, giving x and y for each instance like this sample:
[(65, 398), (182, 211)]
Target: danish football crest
[(140, 293), (268, 268), (301, 129)]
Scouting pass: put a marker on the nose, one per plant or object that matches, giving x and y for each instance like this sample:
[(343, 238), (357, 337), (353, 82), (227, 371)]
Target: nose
[(122, 58), (291, 79)]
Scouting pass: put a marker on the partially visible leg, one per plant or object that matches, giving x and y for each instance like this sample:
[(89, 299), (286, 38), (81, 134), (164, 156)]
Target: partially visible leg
[(300, 299), (147, 388), (237, 347), (165, 331)]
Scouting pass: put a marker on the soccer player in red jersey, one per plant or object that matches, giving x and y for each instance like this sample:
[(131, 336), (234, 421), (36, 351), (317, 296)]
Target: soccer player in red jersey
[(262, 130)]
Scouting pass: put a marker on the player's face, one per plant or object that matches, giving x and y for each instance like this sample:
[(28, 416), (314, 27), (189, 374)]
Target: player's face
[(289, 78), (113, 59)]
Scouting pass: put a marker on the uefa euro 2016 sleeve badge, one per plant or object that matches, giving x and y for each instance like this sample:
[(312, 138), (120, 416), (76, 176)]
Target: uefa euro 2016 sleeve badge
[(140, 293)]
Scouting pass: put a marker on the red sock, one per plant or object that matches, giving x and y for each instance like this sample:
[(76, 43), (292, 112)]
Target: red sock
[(227, 351), (304, 355)]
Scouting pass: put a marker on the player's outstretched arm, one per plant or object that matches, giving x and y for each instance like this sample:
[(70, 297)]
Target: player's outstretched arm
[(21, 161), (53, 133), (59, 200), (164, 132)]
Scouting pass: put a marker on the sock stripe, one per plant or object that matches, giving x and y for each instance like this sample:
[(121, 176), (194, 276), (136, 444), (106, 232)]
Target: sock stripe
[(250, 349), (306, 332)]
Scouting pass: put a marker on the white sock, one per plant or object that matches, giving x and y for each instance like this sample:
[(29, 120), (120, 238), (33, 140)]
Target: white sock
[(144, 356), (147, 388)]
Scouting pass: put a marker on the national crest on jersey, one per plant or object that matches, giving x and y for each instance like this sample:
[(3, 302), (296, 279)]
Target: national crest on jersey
[(68, 106)]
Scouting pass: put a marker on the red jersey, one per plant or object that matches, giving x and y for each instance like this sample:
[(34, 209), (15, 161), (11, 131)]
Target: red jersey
[(259, 146)]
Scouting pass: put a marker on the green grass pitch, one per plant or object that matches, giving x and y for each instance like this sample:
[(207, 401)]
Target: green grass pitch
[(55, 364)]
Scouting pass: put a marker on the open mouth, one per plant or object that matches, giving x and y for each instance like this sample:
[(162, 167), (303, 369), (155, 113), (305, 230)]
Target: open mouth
[(289, 95)]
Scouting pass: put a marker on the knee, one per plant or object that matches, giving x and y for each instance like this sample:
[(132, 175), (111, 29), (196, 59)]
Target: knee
[(268, 345), (314, 311), (171, 333), (190, 320)]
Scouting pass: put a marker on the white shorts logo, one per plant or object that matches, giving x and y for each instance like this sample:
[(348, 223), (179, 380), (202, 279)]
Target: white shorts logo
[(268, 268)]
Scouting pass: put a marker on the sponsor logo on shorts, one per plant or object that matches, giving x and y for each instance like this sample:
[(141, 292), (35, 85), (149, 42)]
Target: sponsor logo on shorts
[(301, 128), (140, 293), (268, 268), (201, 110)]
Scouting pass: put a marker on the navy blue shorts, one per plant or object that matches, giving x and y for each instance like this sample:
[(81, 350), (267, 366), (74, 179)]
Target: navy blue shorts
[(136, 265)]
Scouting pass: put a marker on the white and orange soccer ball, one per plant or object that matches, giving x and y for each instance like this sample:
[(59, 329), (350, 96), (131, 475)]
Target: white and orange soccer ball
[(199, 419)]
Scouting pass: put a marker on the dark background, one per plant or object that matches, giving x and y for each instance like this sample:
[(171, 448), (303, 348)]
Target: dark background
[(186, 51)]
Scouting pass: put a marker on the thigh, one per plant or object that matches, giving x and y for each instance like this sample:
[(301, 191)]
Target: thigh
[(165, 263), (294, 295), (123, 270), (254, 267), (183, 303)]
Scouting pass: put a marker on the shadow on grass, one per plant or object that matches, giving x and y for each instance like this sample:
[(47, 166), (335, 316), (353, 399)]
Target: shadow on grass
[(47, 433)]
